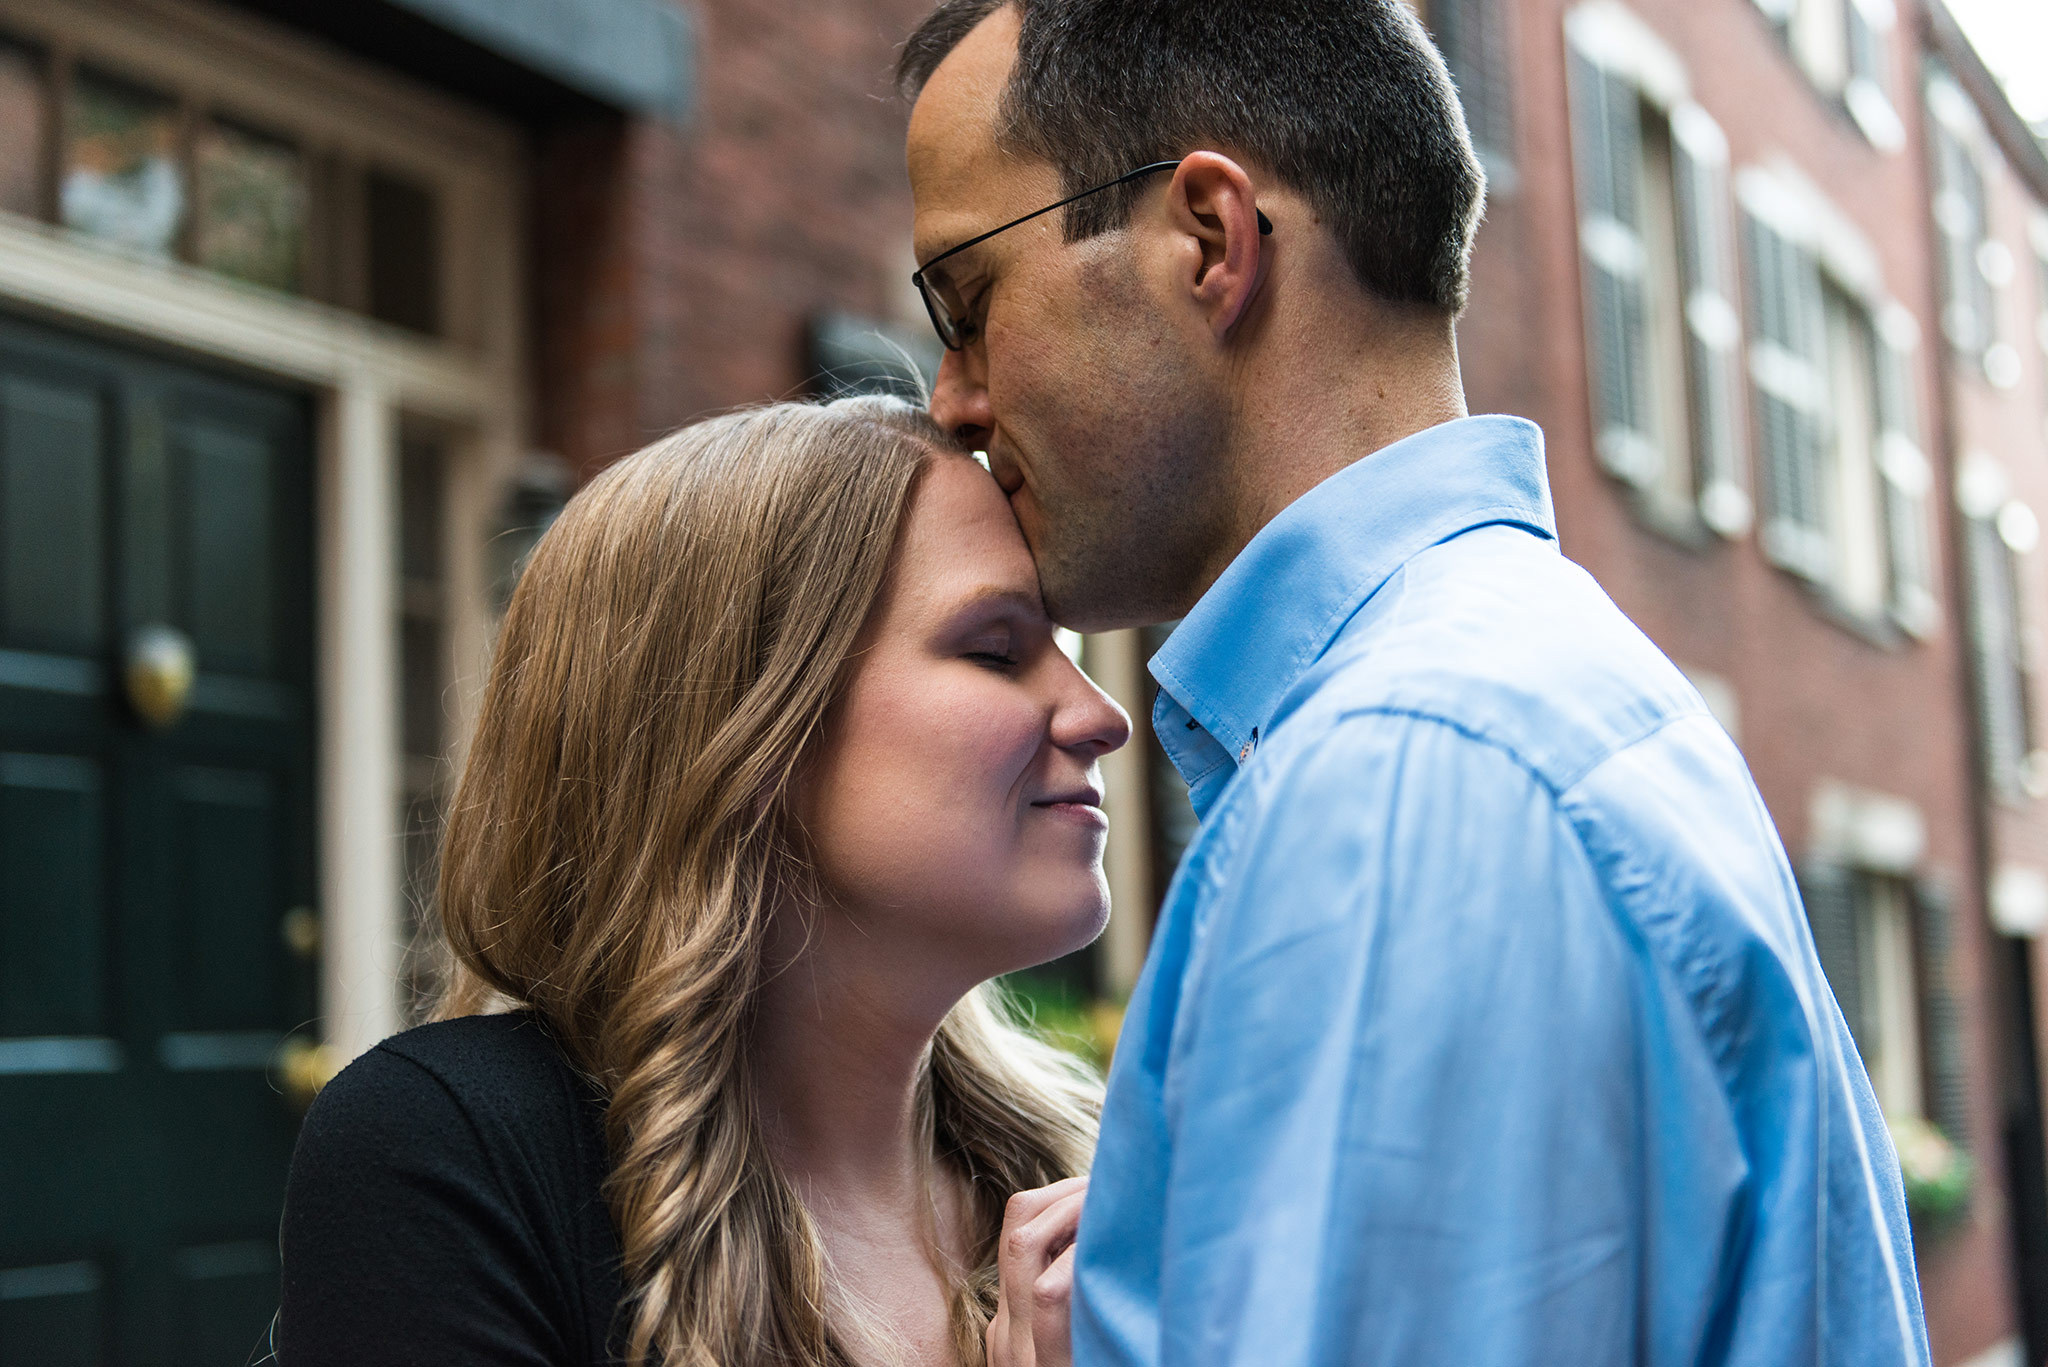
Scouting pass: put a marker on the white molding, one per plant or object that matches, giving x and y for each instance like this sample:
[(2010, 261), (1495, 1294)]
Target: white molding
[(1982, 485), (1611, 36), (1695, 130), (55, 271), (1867, 830), (1783, 196), (359, 720)]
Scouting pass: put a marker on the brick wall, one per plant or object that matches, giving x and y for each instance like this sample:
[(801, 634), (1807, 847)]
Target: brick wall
[(678, 267)]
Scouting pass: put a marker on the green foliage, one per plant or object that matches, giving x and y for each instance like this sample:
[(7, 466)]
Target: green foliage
[(1938, 1174), (1082, 1025)]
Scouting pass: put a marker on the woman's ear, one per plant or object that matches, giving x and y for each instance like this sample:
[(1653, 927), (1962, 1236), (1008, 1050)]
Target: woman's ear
[(1212, 204)]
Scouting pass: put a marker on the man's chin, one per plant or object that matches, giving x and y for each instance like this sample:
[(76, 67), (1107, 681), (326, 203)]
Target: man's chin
[(1090, 603)]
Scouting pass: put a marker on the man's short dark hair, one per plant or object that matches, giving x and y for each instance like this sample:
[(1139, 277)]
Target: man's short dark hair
[(1346, 101)]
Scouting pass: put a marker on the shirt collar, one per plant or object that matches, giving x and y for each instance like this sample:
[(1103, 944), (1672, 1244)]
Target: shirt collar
[(1287, 595)]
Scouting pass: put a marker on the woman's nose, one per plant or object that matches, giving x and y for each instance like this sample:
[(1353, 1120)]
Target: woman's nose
[(1088, 718)]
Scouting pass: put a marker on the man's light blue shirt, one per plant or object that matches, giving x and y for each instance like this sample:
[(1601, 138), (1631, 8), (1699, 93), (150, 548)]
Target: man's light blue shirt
[(1482, 1026)]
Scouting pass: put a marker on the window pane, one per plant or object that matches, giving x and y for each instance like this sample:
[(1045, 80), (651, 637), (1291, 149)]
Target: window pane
[(24, 123), (405, 253), (252, 206), (121, 176)]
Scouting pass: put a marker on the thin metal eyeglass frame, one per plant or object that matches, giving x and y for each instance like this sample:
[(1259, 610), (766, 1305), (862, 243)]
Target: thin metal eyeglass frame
[(941, 316)]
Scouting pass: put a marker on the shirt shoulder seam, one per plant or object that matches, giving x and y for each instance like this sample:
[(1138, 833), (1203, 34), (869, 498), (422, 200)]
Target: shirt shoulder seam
[(1557, 786)]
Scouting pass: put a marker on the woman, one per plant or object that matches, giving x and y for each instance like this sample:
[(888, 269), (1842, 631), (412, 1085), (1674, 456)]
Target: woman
[(778, 765)]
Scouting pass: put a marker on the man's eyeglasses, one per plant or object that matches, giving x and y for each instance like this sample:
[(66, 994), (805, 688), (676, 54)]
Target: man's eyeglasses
[(942, 301)]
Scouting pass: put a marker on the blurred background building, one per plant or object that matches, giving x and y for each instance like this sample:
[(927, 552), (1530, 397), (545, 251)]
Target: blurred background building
[(313, 311)]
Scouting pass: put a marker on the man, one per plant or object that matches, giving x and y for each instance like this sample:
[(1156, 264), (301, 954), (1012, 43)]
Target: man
[(1482, 1025)]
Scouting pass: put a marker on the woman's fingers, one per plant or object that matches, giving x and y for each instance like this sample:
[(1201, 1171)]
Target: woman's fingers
[(1036, 1263), (1026, 1206), (1034, 1224), (1052, 1297)]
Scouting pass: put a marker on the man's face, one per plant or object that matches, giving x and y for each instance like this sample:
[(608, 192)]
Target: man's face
[(1093, 395)]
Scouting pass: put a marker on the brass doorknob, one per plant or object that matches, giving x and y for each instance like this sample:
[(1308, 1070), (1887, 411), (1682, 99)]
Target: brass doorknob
[(303, 1068), (159, 672)]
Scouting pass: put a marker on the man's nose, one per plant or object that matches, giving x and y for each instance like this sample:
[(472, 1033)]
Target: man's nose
[(960, 401)]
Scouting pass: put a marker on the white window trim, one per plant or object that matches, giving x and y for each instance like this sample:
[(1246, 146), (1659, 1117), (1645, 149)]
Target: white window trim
[(1794, 208), (1869, 104), (1613, 39), (364, 375), (1609, 35), (1861, 828)]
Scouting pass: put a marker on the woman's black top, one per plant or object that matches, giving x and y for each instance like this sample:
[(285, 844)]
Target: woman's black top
[(445, 1208)]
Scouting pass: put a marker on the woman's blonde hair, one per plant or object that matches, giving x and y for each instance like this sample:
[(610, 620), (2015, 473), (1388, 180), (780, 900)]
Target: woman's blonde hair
[(623, 829)]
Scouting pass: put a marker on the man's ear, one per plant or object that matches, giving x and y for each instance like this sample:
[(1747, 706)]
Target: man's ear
[(1212, 205)]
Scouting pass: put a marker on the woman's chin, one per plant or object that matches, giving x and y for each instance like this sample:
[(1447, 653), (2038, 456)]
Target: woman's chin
[(1072, 927)]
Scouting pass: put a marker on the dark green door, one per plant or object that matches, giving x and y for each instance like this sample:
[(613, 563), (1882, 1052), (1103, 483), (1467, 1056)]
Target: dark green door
[(148, 873)]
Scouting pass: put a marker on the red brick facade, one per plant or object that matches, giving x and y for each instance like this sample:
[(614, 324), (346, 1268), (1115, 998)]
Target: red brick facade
[(678, 268)]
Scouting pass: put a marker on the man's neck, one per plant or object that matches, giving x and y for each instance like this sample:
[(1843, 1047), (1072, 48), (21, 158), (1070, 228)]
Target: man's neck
[(1313, 409)]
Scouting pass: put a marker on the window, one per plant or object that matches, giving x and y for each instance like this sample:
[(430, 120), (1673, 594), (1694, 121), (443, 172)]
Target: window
[(150, 170), (2037, 233), (1883, 942), (1998, 532), (1846, 480), (1662, 331), (1961, 217), (1844, 47), (1472, 36)]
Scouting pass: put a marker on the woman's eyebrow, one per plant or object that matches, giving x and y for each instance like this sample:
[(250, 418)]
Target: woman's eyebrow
[(992, 596)]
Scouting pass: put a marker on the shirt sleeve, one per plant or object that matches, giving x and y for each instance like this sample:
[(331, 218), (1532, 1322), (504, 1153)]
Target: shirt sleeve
[(401, 1245), (1403, 1123)]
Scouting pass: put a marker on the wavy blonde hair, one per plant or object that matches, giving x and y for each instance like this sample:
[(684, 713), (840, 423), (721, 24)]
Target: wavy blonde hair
[(624, 828)]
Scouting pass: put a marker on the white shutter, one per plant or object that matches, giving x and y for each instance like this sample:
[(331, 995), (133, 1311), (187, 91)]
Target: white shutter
[(1607, 134), (1867, 93), (1829, 892), (1787, 366), (1713, 327), (1995, 642), (1469, 34), (1959, 218), (1905, 477), (1948, 1086)]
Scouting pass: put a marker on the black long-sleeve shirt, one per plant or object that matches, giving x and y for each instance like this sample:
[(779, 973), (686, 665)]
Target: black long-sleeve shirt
[(445, 1207)]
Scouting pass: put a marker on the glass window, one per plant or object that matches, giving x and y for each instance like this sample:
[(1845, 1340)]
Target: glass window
[(1889, 1032), (405, 253), (122, 182), (24, 125), (251, 221), (1860, 572)]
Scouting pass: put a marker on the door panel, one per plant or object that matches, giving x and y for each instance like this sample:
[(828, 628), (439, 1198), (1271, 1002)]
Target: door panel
[(54, 1314), (230, 899), (224, 543), (52, 512), (52, 857), (144, 986)]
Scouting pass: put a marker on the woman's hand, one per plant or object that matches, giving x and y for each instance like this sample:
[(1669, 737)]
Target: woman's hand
[(1035, 1260)]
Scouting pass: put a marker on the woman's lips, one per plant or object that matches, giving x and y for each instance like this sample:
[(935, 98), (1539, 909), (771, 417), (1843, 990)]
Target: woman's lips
[(1082, 805), (1085, 813)]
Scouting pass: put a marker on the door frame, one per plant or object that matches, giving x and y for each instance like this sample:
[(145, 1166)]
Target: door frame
[(366, 379)]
